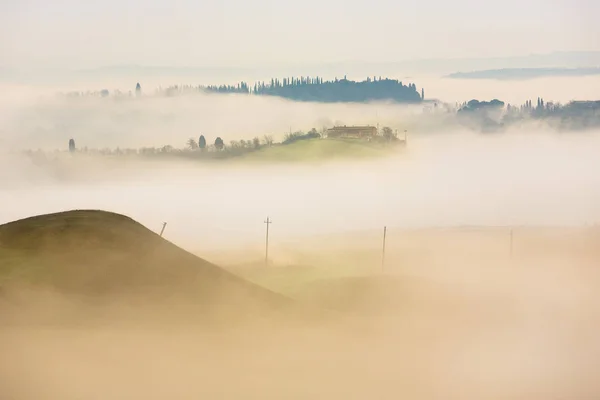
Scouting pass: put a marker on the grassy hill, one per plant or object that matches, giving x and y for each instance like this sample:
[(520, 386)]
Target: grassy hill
[(100, 255), (321, 150)]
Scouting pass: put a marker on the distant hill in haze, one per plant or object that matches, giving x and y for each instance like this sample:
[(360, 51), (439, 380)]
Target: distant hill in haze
[(562, 59), (524, 73), (351, 68), (359, 68)]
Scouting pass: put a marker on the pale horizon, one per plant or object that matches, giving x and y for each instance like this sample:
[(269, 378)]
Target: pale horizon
[(79, 35)]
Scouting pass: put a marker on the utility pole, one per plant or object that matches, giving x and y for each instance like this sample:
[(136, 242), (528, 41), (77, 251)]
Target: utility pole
[(163, 228), (268, 222), (383, 250)]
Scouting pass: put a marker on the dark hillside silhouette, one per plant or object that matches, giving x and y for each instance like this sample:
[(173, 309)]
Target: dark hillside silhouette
[(338, 90)]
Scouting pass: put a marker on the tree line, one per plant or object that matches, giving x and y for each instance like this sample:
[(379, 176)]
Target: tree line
[(304, 88), (218, 148), (496, 114), (319, 90)]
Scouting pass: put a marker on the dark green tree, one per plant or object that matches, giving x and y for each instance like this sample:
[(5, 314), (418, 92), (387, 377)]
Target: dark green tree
[(387, 133), (219, 143), (71, 145), (202, 142), (191, 144)]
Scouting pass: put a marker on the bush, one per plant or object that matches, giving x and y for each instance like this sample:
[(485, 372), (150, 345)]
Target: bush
[(294, 137)]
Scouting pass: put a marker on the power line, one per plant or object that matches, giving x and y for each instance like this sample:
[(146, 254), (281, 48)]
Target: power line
[(383, 250), (268, 222)]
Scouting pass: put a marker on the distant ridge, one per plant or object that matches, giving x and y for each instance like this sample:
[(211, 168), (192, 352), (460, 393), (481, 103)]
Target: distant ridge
[(524, 73), (357, 68)]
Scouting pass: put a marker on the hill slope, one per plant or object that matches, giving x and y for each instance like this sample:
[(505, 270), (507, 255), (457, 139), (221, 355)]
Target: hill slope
[(97, 254), (321, 150)]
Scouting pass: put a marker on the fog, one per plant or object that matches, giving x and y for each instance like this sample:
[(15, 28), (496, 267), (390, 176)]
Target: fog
[(35, 117), (469, 321), (448, 176), (452, 317), (520, 178)]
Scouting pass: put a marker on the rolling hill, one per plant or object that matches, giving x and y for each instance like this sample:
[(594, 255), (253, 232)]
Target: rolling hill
[(98, 256), (316, 150)]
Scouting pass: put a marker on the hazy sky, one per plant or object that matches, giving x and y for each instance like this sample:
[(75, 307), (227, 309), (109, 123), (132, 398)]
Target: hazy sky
[(80, 34)]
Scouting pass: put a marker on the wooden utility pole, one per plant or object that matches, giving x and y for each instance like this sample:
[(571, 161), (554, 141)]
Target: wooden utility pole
[(163, 228), (268, 222), (383, 250)]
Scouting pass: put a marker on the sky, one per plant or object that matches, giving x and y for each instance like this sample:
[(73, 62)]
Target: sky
[(242, 33)]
